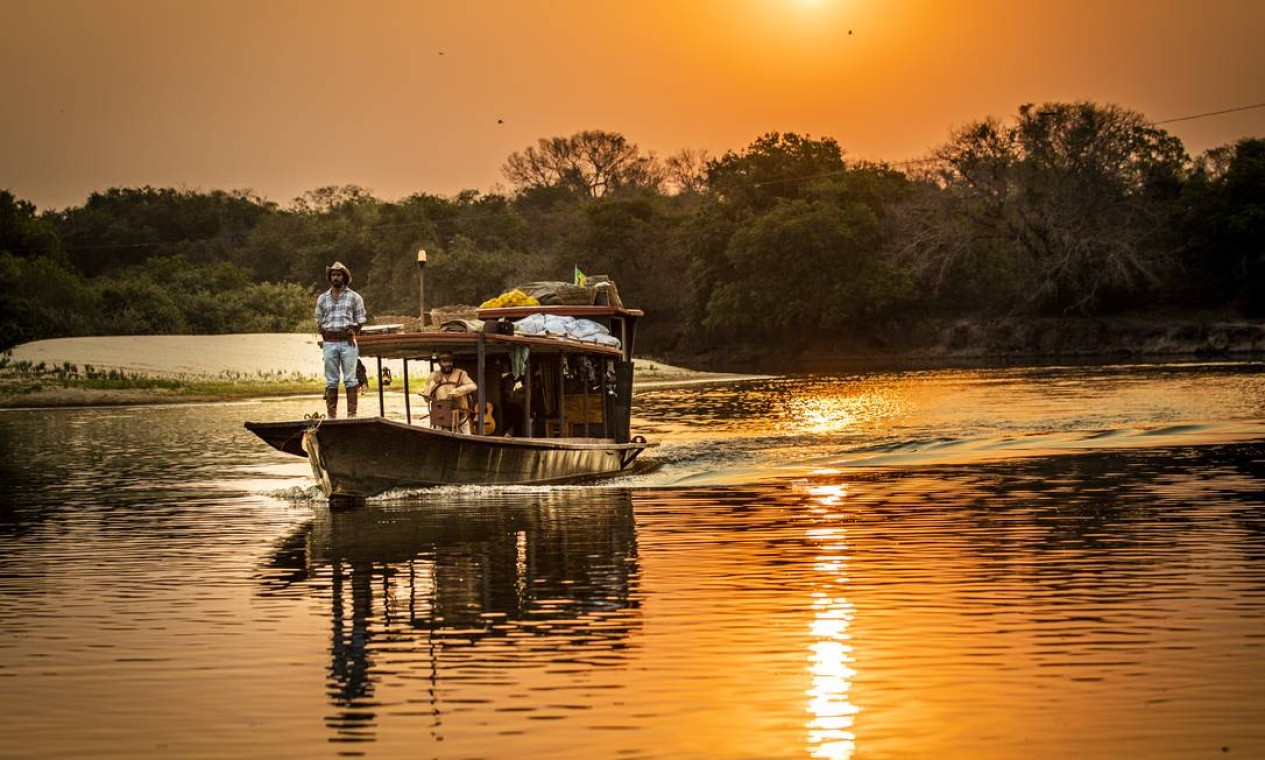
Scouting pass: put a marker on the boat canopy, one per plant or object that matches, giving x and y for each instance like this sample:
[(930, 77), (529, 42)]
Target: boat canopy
[(570, 387), (424, 345)]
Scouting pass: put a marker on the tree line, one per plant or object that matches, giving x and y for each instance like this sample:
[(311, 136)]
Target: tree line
[(1062, 208)]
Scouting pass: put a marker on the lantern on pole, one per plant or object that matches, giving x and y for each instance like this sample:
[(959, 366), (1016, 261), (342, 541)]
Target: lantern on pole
[(421, 285)]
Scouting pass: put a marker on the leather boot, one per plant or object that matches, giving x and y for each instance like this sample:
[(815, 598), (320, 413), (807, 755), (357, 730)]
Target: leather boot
[(353, 397), (331, 403)]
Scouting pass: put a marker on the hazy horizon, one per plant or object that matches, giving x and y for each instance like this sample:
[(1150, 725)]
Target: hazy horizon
[(284, 97)]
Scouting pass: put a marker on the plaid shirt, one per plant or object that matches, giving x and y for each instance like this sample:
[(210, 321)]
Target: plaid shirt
[(337, 316)]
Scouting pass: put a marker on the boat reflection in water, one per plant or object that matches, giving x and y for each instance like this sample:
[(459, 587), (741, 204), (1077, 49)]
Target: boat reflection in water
[(431, 598)]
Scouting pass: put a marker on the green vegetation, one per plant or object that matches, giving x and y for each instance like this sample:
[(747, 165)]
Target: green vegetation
[(1065, 208)]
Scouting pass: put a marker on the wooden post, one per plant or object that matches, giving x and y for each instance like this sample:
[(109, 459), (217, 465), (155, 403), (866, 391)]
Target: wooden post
[(562, 395), (421, 286), (382, 399), (408, 410), (527, 401), (605, 388), (482, 392), (584, 406)]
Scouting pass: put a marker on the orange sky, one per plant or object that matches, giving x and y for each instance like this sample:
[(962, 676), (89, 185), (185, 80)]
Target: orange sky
[(403, 97)]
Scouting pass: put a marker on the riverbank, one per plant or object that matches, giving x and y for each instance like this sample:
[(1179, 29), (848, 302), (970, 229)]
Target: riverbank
[(171, 369), (164, 369), (927, 343)]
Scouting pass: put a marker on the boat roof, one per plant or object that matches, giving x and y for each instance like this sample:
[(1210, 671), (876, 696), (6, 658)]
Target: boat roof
[(586, 312), (422, 345)]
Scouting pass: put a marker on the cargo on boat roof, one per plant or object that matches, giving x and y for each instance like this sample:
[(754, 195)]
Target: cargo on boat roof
[(391, 341)]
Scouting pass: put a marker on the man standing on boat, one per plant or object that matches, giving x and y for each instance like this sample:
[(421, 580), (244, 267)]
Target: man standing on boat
[(340, 313), (450, 383)]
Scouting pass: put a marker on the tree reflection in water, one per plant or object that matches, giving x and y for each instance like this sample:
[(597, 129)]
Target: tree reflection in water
[(539, 571)]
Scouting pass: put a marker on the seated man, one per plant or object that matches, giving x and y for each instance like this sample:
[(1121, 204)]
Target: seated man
[(449, 383)]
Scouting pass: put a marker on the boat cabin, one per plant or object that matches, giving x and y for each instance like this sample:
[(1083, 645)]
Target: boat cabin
[(529, 385)]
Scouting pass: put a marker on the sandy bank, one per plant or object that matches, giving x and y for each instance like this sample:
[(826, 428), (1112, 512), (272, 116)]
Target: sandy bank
[(205, 363), (183, 356)]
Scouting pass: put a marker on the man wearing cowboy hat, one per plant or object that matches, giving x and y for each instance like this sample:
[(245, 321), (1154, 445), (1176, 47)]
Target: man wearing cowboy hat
[(340, 313)]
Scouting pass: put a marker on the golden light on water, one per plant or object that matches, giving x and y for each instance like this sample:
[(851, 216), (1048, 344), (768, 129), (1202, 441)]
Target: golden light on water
[(830, 412), (830, 659), (828, 495)]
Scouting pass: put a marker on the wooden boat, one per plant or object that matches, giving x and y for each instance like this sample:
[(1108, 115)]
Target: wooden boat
[(564, 410)]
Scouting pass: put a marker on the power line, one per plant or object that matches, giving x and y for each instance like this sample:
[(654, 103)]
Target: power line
[(928, 160), (1209, 113)]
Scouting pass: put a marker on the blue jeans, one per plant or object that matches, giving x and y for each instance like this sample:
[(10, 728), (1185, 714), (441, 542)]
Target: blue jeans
[(340, 356)]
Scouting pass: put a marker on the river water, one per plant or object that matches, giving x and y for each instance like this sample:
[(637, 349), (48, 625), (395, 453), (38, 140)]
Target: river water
[(990, 563)]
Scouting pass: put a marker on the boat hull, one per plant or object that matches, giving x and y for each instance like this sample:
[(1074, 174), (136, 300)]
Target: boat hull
[(363, 457), (282, 436)]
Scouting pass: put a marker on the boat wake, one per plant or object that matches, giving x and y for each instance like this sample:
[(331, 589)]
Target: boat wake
[(736, 462)]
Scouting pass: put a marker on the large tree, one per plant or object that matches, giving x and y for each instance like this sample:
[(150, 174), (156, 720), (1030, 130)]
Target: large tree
[(686, 172), (1079, 195), (23, 233), (789, 236), (775, 166), (1224, 257), (591, 164), (803, 267)]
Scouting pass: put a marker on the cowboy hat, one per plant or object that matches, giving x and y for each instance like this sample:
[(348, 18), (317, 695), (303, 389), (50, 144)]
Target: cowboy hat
[(329, 270)]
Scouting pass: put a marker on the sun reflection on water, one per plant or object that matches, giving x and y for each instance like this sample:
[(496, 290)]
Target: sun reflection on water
[(830, 660), (834, 409)]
